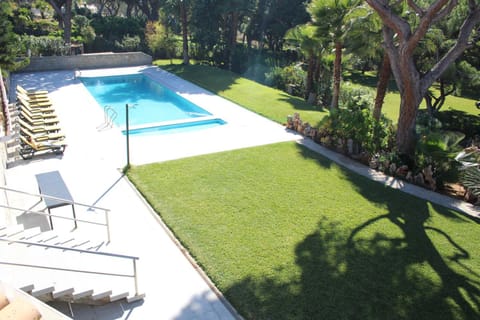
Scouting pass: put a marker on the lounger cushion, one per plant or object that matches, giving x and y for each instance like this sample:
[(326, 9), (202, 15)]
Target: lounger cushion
[(19, 309), (3, 301)]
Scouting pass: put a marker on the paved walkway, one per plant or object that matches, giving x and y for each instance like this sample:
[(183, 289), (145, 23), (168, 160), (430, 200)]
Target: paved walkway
[(91, 167)]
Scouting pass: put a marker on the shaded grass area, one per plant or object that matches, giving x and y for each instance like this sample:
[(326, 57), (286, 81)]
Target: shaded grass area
[(286, 234), (271, 103)]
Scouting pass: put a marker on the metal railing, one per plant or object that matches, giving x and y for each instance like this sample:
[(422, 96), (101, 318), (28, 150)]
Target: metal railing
[(105, 254), (70, 202)]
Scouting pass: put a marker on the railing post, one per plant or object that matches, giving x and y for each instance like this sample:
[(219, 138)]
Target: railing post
[(135, 275), (107, 221)]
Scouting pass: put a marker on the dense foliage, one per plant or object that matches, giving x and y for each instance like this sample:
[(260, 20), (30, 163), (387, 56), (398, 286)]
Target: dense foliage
[(297, 46)]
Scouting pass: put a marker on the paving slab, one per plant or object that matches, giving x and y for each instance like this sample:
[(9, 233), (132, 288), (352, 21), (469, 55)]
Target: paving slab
[(92, 166)]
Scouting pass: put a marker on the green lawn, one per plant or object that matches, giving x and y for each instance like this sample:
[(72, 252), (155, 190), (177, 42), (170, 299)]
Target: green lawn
[(286, 234), (271, 103), (276, 105)]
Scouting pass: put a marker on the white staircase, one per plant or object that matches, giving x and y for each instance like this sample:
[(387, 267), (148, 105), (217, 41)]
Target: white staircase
[(16, 303), (66, 266)]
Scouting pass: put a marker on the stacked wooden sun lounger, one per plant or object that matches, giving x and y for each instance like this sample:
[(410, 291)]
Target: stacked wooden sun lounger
[(38, 123)]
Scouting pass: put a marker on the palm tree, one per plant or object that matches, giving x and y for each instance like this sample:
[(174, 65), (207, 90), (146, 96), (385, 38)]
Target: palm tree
[(304, 39), (365, 41), (332, 19)]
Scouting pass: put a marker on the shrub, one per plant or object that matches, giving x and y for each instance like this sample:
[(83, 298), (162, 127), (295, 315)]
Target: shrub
[(290, 79), (160, 42), (128, 43), (354, 120), (469, 159), (45, 46), (438, 147)]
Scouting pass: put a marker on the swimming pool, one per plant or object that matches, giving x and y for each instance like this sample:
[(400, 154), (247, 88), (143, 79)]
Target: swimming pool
[(152, 107)]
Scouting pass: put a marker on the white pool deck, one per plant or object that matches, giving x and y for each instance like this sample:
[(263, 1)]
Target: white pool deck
[(91, 168)]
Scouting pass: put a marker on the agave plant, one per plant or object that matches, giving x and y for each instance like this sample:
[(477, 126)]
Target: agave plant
[(470, 161)]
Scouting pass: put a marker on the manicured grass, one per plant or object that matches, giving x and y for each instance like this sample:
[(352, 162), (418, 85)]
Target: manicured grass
[(287, 234), (271, 103), (276, 105)]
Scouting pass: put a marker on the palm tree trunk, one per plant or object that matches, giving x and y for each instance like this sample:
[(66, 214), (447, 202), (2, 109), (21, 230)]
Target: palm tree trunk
[(310, 75), (337, 74), (383, 78)]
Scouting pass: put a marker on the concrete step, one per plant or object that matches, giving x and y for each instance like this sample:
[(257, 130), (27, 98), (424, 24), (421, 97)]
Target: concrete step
[(118, 296), (40, 293), (44, 236), (26, 234), (136, 297), (28, 288), (64, 294), (75, 240), (80, 295), (9, 231)]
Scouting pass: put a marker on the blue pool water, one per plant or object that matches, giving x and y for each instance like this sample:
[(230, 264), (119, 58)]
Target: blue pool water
[(152, 107)]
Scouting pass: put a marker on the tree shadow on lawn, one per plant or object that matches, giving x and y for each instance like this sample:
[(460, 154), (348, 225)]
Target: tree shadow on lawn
[(224, 80), (394, 265)]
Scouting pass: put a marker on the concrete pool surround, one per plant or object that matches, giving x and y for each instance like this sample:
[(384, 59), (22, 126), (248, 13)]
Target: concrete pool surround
[(91, 167)]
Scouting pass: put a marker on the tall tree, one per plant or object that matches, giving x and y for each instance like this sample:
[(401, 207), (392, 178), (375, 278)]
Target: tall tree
[(401, 38), (204, 27), (331, 17), (272, 19), (9, 46), (233, 12), (150, 8), (63, 10), (365, 42), (183, 18), (304, 38), (180, 9)]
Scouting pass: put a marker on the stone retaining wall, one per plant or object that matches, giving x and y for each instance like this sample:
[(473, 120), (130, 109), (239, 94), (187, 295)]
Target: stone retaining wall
[(88, 61)]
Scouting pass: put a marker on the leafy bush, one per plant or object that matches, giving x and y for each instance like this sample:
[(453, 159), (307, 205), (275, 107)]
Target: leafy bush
[(354, 120), (290, 79), (114, 30), (160, 42), (82, 30), (438, 147), (44, 46), (355, 97), (460, 121), (470, 165), (469, 79), (128, 43)]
